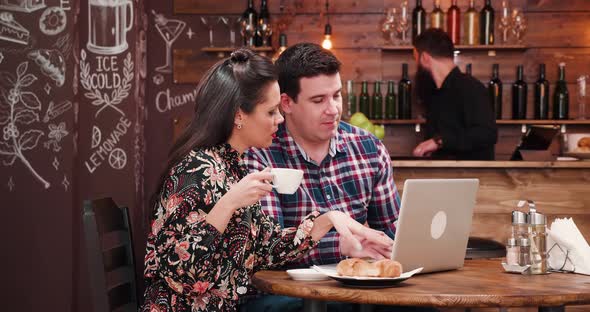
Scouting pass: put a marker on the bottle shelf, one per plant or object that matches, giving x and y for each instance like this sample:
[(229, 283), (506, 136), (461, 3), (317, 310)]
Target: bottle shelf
[(222, 51), (489, 48)]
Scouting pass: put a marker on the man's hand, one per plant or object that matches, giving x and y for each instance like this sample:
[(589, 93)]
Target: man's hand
[(425, 148), (370, 250)]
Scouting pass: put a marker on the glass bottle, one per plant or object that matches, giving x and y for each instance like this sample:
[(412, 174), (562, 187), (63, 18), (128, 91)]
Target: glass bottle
[(519, 95), (582, 80), (351, 98), (250, 19), (437, 16), (454, 23), (263, 19), (524, 251), (486, 24), (538, 242), (542, 95), (468, 69), (364, 99), (471, 25), (404, 94), (418, 20), (377, 102), (561, 96), (495, 90), (390, 102)]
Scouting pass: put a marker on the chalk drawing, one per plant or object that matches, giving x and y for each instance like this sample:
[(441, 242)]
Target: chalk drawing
[(11, 30), (106, 78), (55, 110), (22, 5), (109, 143), (65, 183), (65, 5), (165, 101), (64, 45), (55, 163), (47, 88), (169, 30), (1, 57), (10, 184), (52, 64), (108, 25), (18, 106), (53, 21), (96, 136), (56, 134), (158, 79), (118, 158), (190, 33)]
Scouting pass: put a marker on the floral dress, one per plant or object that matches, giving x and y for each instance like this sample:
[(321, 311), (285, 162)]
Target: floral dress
[(189, 264)]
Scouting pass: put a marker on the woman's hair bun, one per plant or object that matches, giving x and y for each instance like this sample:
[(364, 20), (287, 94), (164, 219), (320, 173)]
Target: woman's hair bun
[(240, 56)]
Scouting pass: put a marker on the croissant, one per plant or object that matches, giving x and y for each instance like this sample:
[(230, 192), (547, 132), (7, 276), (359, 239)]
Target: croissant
[(360, 267)]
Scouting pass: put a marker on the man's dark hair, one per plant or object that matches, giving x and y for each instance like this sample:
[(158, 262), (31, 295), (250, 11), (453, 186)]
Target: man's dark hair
[(436, 42), (304, 60)]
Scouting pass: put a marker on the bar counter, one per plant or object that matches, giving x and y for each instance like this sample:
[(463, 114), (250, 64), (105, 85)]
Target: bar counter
[(559, 189)]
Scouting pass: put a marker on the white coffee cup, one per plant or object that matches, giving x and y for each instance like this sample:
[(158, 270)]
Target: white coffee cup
[(286, 180)]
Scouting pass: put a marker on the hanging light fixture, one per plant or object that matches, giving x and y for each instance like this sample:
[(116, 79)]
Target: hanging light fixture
[(327, 43)]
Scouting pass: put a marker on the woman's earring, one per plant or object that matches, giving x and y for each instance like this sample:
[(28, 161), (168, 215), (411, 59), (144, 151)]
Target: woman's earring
[(239, 126)]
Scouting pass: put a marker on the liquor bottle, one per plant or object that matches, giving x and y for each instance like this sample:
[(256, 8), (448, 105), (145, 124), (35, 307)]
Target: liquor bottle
[(364, 99), (519, 95), (377, 102), (561, 98), (468, 69), (495, 90), (390, 105), (418, 20), (350, 98), (404, 94), (437, 16), (454, 22), (471, 25), (250, 17), (486, 24), (542, 95), (263, 19)]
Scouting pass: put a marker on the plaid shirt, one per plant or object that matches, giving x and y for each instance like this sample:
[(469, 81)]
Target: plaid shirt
[(356, 178)]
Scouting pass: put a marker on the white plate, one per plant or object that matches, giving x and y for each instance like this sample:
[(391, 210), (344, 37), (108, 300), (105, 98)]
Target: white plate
[(365, 281), (306, 275)]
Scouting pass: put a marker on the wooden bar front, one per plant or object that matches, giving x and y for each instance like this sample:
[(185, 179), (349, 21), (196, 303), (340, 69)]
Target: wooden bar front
[(559, 189)]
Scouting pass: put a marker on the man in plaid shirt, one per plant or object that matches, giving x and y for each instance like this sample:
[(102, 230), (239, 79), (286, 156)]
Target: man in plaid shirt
[(345, 168)]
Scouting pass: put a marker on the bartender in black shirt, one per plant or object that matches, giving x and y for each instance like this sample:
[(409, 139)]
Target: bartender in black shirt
[(460, 122)]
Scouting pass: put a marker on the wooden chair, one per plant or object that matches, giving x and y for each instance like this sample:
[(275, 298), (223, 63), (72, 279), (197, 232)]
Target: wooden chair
[(109, 248)]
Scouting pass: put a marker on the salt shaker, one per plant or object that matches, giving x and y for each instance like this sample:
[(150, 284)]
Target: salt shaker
[(519, 224), (512, 252)]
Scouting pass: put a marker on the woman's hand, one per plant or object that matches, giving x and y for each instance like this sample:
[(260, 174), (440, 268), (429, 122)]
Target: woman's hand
[(246, 192), (250, 189)]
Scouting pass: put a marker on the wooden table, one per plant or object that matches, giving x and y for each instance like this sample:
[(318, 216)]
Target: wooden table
[(481, 283)]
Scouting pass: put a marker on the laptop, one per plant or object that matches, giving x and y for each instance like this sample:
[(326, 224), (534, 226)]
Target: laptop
[(434, 223)]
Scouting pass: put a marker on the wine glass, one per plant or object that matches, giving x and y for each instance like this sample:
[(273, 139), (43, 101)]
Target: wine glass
[(232, 23), (505, 21), (403, 24), (248, 31), (388, 25), (209, 22), (519, 25)]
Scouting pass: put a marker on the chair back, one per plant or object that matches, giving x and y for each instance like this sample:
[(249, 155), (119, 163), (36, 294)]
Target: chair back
[(111, 265)]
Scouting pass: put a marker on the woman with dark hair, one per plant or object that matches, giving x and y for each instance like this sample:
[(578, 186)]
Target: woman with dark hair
[(208, 233)]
